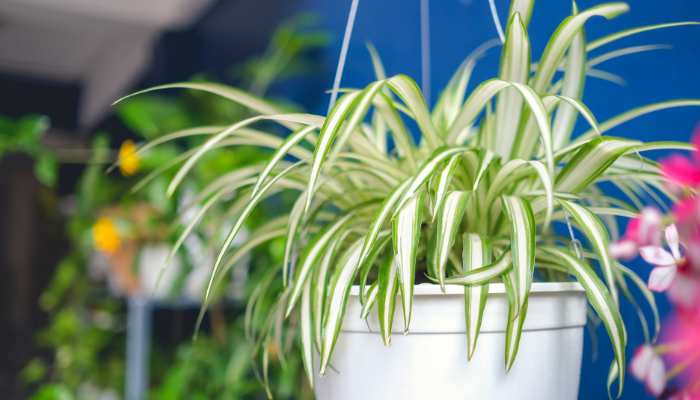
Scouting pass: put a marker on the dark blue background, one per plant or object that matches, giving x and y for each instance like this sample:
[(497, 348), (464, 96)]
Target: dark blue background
[(459, 26)]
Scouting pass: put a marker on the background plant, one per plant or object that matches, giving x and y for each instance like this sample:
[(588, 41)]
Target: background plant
[(85, 333)]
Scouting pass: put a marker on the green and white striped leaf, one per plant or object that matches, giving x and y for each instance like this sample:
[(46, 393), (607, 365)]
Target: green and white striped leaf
[(214, 140), (514, 326), (371, 241), (329, 130), (319, 285), (443, 183), (562, 38), (477, 252), (280, 153), (548, 187), (522, 245), (573, 84), (524, 8), (602, 303), (482, 275), (295, 217), (409, 92), (370, 301), (337, 301), (447, 226), (594, 230), (314, 253), (388, 279), (239, 224), (633, 31), (426, 171), (590, 162), (406, 234), (452, 97), (515, 67), (307, 333)]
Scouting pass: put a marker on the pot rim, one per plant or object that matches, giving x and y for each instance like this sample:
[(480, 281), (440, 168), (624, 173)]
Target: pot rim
[(431, 289)]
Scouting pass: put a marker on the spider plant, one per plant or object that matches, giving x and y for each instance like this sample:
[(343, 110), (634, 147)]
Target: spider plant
[(479, 194)]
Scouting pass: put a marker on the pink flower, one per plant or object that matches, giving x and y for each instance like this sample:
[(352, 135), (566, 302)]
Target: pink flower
[(681, 170), (682, 339), (643, 230), (684, 291), (648, 367), (687, 216), (665, 263)]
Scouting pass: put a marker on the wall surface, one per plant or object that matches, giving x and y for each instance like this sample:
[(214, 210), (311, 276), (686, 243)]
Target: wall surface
[(459, 26)]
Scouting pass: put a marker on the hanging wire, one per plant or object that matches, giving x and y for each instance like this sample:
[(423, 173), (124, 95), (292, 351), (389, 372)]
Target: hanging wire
[(425, 48), (575, 243), (343, 53), (496, 20)]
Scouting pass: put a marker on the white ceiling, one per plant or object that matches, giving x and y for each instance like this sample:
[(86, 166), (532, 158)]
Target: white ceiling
[(103, 44)]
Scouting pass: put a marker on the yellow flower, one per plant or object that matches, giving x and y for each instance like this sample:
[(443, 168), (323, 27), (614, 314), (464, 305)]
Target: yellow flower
[(106, 236), (129, 160)]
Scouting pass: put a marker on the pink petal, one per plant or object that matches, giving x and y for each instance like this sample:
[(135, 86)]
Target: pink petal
[(695, 140), (661, 278), (623, 249), (673, 241), (680, 170), (684, 291), (641, 361), (649, 231), (632, 231), (657, 256), (656, 376), (686, 210)]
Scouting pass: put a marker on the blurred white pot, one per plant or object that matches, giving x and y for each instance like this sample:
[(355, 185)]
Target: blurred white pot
[(430, 362), (151, 261)]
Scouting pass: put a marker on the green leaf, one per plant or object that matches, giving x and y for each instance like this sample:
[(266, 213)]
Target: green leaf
[(372, 294), (443, 183), (482, 275), (515, 67), (452, 97), (280, 153), (447, 226), (307, 333), (562, 38), (406, 234), (353, 101), (514, 327), (372, 234), (574, 81), (477, 252), (602, 303), (597, 235), (338, 297), (214, 140), (388, 279), (409, 92), (426, 171), (522, 245), (46, 168), (629, 32), (315, 251), (590, 162)]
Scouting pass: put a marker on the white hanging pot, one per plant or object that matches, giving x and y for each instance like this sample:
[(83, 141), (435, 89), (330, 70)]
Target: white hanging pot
[(430, 361)]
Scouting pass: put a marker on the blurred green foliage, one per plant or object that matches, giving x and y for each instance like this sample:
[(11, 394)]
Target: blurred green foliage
[(24, 136), (86, 330)]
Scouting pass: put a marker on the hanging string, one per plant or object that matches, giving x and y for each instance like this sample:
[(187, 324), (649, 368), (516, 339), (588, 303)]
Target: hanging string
[(496, 20), (425, 47), (575, 243), (343, 53)]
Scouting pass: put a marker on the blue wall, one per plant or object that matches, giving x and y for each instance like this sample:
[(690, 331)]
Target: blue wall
[(460, 26)]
